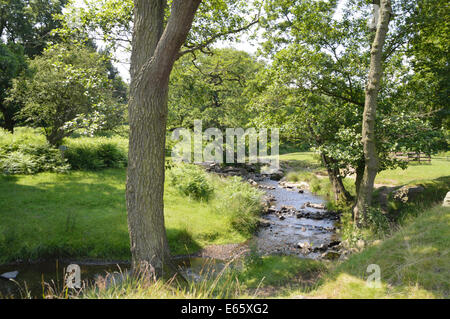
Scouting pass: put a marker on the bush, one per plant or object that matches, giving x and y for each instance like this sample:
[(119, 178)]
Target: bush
[(97, 153), (293, 177), (27, 152), (191, 181), (243, 203)]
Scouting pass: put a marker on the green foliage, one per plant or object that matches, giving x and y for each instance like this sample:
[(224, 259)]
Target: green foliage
[(293, 177), (67, 90), (26, 152), (314, 89), (29, 22), (192, 181), (24, 31), (97, 153), (428, 49), (243, 205), (12, 63), (111, 20), (212, 87)]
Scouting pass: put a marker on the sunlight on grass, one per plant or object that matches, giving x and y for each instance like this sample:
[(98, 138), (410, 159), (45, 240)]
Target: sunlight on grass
[(414, 263), (415, 172), (83, 214)]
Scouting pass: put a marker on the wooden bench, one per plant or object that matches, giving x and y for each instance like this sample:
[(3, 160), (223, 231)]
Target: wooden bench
[(413, 157)]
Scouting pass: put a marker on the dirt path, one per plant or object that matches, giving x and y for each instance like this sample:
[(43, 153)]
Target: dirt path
[(223, 252)]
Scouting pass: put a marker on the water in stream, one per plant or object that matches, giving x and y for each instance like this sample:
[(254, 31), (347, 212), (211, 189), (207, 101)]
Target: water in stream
[(281, 237), (31, 278)]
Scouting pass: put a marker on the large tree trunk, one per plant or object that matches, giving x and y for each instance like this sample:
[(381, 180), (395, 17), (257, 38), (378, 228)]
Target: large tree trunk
[(155, 50), (340, 193), (364, 196), (359, 172)]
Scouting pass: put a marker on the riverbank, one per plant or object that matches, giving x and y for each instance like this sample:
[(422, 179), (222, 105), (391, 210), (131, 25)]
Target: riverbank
[(43, 211), (82, 215), (413, 263)]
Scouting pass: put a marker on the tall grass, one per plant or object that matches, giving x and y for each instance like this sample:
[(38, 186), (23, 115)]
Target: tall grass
[(242, 203), (142, 284), (191, 181), (94, 153)]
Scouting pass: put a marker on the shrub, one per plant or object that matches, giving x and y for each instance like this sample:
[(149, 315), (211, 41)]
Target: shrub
[(292, 177), (27, 152), (18, 163), (243, 203), (97, 153), (191, 181)]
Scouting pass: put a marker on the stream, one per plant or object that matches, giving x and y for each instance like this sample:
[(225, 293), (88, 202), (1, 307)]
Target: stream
[(284, 234), (289, 228)]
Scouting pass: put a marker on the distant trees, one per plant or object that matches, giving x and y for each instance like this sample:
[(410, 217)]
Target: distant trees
[(25, 30), (428, 87), (12, 64), (67, 89), (214, 87), (315, 87)]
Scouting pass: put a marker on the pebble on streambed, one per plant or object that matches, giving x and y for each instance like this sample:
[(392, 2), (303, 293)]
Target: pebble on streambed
[(286, 228)]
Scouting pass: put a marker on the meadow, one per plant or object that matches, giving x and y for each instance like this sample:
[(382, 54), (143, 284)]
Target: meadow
[(80, 213)]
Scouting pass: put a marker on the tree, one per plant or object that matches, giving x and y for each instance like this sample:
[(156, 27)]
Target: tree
[(29, 23), (155, 49), (156, 45), (25, 29), (212, 87), (12, 64), (428, 50), (314, 89), (324, 57), (67, 89), (371, 164)]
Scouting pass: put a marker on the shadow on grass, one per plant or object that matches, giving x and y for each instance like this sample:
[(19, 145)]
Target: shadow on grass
[(413, 263), (70, 216), (269, 275), (181, 242), (433, 192)]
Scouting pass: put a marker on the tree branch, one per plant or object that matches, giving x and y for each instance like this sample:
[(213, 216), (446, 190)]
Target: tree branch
[(215, 37)]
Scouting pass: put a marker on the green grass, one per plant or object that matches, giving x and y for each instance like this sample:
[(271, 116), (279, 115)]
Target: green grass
[(301, 160), (414, 263), (83, 215), (414, 173), (277, 271)]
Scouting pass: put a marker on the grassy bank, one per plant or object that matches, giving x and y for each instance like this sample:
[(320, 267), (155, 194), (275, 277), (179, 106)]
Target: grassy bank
[(416, 172), (414, 263), (83, 215)]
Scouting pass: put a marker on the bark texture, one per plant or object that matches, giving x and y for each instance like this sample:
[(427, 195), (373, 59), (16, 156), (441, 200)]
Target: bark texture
[(364, 196), (340, 193), (156, 45)]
